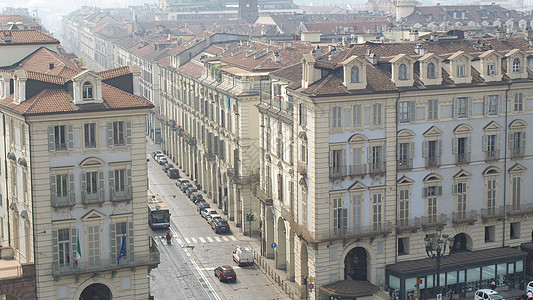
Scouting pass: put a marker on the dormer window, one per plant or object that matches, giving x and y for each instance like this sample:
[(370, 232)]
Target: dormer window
[(491, 70), (354, 77), (431, 71), (516, 65), (87, 91), (402, 74), (460, 70)]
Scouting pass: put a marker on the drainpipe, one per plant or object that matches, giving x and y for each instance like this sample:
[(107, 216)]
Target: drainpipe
[(396, 179), (505, 161), (35, 252)]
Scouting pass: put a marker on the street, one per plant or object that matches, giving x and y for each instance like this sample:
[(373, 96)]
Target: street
[(187, 265)]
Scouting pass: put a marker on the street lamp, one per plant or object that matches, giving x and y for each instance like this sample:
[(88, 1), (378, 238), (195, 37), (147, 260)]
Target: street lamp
[(436, 247)]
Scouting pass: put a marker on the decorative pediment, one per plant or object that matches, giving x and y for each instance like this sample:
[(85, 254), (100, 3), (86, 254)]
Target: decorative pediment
[(358, 138), (491, 171), (354, 72), (518, 124), (462, 174), (516, 64), (405, 180), (517, 168), (86, 88), (462, 128), (93, 215), (432, 177), (92, 162), (493, 126), (406, 133), (357, 186), (433, 131)]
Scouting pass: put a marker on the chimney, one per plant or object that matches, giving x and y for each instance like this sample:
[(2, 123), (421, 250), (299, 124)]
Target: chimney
[(371, 57), (420, 50), (5, 86), (19, 86), (317, 52), (413, 35), (500, 34), (529, 36)]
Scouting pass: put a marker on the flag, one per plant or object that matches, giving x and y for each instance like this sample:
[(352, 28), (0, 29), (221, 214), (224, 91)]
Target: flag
[(122, 249), (78, 252)]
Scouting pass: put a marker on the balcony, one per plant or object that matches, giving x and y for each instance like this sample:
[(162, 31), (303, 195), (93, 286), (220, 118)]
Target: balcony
[(337, 172), (357, 170), (463, 217), (405, 164), (62, 202), (492, 155), (242, 179), (119, 196), (432, 161), (492, 213), (262, 195), (358, 232), (405, 225), (93, 198), (302, 168), (462, 158), (517, 152), (151, 259), (376, 168), (434, 221), (519, 210)]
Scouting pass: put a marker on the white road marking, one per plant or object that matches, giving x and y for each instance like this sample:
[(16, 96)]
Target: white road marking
[(194, 240), (210, 239), (187, 240), (217, 238), (202, 239), (232, 238), (225, 239)]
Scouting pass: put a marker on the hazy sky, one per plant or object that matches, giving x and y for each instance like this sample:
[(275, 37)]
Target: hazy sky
[(50, 11)]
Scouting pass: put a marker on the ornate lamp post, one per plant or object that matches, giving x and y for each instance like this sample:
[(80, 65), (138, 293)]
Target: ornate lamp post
[(436, 248)]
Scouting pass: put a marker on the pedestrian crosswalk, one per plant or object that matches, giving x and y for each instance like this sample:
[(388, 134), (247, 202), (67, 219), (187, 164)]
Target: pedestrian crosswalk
[(197, 240)]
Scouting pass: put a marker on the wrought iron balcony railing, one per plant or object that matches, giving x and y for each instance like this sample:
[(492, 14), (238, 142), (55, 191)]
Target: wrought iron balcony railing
[(337, 172), (119, 196), (93, 198), (61, 202), (461, 217), (357, 170)]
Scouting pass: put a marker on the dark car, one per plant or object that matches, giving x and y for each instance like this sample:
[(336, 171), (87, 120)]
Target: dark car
[(190, 191), (167, 166), (220, 226), (180, 182), (196, 197), (225, 273), (173, 173), (201, 206), (185, 186)]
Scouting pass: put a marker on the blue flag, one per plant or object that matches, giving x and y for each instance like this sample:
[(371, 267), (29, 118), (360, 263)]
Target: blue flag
[(122, 249)]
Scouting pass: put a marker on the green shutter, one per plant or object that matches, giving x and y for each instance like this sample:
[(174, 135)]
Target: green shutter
[(51, 139)]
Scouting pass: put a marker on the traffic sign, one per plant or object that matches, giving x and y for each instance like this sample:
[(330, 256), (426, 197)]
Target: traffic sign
[(274, 245), (311, 286), (310, 279)]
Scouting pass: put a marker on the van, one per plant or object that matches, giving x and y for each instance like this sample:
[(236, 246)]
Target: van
[(243, 256)]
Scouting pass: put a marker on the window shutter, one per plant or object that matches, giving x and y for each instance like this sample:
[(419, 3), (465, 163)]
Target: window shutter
[(498, 142), (501, 105), (112, 236), (110, 134), (485, 146), (439, 190), (356, 156), (523, 144), (469, 144), (425, 149), (424, 192), (356, 115), (440, 148), (70, 135), (71, 187), (383, 153), (486, 105), (333, 121), (101, 184), (412, 111), (131, 241), (73, 244), (411, 150), (379, 114), (129, 187), (455, 188), (347, 118), (330, 158), (470, 106), (83, 182), (454, 145), (369, 155), (454, 108), (128, 133), (52, 187), (111, 184), (511, 140), (51, 140), (55, 247)]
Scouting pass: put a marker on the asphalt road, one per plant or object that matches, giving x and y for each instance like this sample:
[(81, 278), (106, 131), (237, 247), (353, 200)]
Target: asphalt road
[(187, 265)]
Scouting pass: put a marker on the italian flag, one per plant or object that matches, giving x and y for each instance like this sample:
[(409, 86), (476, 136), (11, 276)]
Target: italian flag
[(78, 252)]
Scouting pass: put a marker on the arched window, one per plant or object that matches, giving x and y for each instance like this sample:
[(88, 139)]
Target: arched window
[(87, 91), (403, 72), (516, 65), (431, 71), (354, 74)]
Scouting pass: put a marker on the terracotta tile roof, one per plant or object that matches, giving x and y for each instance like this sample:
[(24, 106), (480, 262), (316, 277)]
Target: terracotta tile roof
[(191, 68), (291, 73), (117, 72), (4, 19), (116, 98), (40, 60), (46, 77), (28, 36)]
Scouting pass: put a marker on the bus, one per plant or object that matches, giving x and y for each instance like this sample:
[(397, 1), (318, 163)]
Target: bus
[(158, 214)]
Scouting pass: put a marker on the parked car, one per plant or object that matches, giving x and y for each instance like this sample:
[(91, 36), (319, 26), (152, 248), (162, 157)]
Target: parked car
[(173, 173), (201, 206), (156, 153), (180, 182), (225, 273), (243, 256), (529, 287), (189, 191), (213, 217), (167, 166), (487, 294), (207, 212), (220, 226), (158, 156), (185, 186), (197, 197)]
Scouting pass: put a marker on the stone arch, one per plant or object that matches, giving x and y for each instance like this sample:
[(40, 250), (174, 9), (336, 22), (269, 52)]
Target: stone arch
[(432, 177), (358, 138), (461, 242), (462, 128), (492, 170), (369, 258), (406, 133), (281, 248), (22, 162), (92, 162), (99, 280)]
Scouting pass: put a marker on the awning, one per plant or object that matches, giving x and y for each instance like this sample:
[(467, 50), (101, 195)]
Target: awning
[(350, 289)]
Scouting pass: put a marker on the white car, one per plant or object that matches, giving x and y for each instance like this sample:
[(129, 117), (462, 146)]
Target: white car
[(487, 294), (208, 211), (210, 218), (529, 287)]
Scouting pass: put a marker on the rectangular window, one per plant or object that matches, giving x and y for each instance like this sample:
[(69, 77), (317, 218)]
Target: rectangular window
[(120, 180), (491, 146), (461, 199), (462, 107), (91, 179), (406, 111), (121, 237), (118, 133), (491, 196), (304, 208), (357, 167), (336, 163), (376, 211), (405, 155), (491, 70), (404, 208), (89, 131), (376, 159), (303, 153), (336, 117), (93, 237), (340, 215), (356, 112), (357, 212), (490, 233), (301, 114), (432, 151), (62, 185), (516, 191), (514, 230), (491, 105), (63, 240), (433, 109), (518, 102), (60, 138), (517, 143), (432, 209), (377, 114), (460, 70), (463, 150)]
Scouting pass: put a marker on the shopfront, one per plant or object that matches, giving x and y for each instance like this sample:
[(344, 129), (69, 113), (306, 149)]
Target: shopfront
[(461, 272)]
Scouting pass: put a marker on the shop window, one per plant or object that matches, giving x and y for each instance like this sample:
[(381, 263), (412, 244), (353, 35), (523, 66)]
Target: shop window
[(489, 233), (515, 230)]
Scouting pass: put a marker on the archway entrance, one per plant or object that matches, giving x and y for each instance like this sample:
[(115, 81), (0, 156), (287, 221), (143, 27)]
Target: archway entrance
[(8, 297), (96, 291), (355, 264), (460, 243)]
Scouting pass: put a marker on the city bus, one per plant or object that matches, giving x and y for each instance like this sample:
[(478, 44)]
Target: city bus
[(158, 214)]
